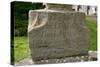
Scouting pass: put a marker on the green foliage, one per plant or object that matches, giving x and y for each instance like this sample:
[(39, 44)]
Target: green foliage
[(21, 10), (91, 24)]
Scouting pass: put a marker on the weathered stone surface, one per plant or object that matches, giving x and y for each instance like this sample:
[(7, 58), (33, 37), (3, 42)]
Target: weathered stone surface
[(60, 7), (56, 34), (90, 57)]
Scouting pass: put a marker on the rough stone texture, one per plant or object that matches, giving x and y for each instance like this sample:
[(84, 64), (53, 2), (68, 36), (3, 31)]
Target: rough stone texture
[(26, 61), (90, 57), (57, 34), (60, 7)]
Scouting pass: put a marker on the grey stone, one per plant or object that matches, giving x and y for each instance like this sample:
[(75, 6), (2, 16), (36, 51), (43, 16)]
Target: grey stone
[(28, 61), (57, 34), (92, 55), (60, 7)]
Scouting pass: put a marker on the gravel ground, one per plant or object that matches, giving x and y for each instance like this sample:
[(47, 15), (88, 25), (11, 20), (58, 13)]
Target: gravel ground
[(92, 56)]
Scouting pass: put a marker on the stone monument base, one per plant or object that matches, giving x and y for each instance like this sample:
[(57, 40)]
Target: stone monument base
[(92, 56)]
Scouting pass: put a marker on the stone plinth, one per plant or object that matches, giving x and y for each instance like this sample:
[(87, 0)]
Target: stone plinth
[(57, 34), (92, 56)]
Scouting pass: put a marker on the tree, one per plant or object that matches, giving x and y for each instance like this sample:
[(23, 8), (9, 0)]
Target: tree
[(21, 10)]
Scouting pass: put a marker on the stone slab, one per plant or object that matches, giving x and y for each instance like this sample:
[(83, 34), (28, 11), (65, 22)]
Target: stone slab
[(56, 34)]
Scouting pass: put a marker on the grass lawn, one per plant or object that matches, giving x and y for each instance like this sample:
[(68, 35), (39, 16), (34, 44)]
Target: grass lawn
[(92, 25), (21, 48)]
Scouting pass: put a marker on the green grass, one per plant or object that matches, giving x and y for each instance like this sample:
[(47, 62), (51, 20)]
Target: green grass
[(91, 24), (21, 48)]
